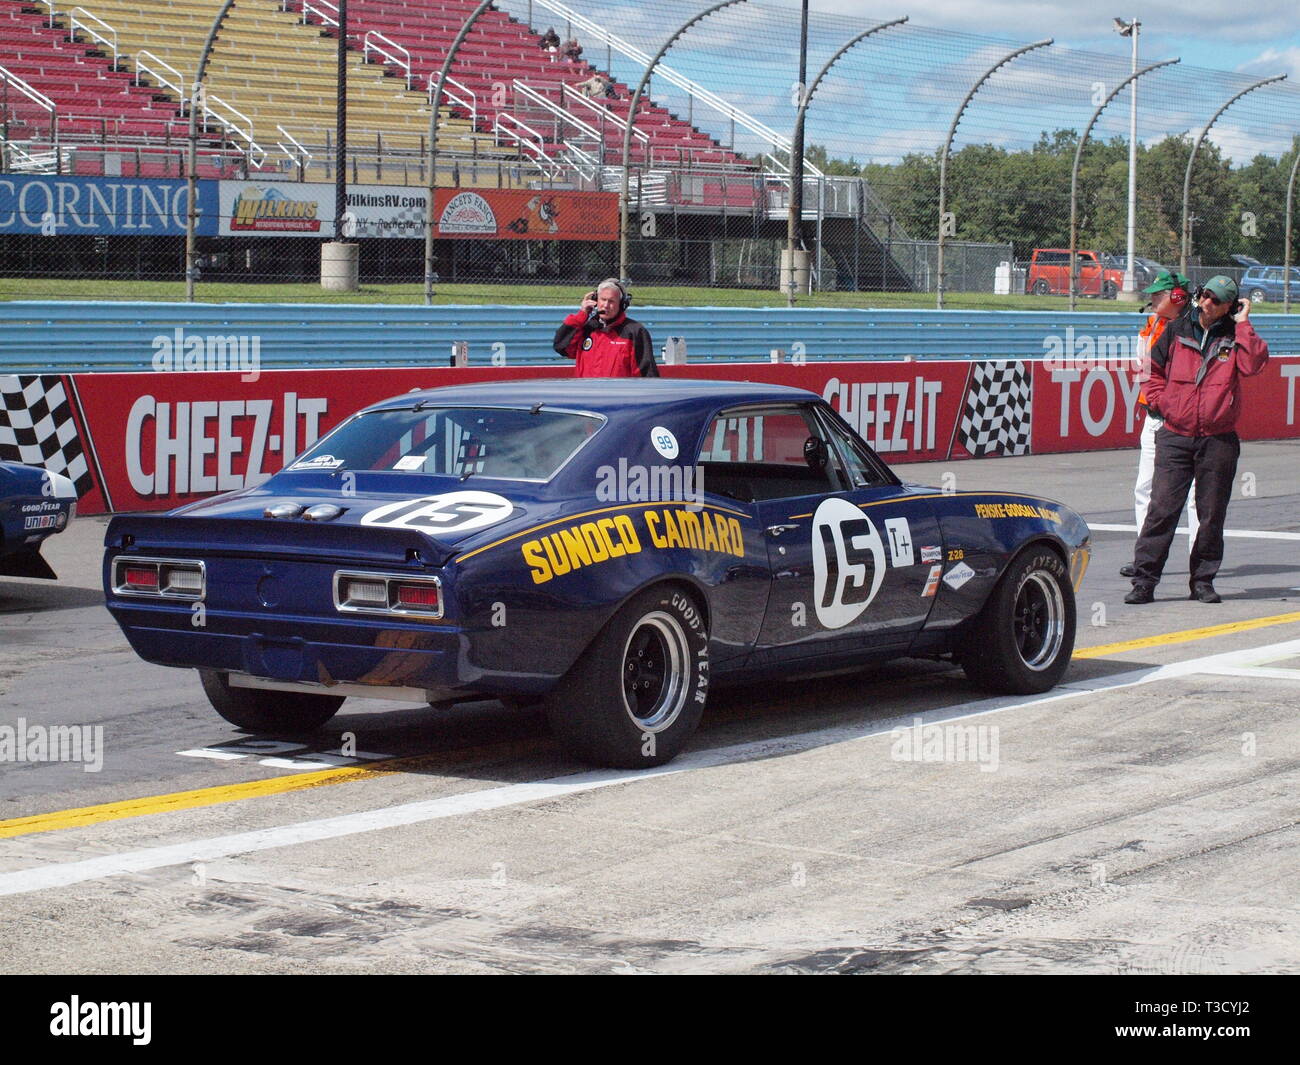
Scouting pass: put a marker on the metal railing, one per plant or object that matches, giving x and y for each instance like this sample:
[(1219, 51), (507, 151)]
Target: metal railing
[(161, 71), (49, 5), (256, 154), (322, 9), (556, 112), (603, 114), (11, 83), (528, 141), (464, 96), (389, 51), (95, 28), (295, 150), (697, 92)]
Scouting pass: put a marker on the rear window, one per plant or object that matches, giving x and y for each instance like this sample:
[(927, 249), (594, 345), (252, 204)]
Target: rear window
[(510, 444)]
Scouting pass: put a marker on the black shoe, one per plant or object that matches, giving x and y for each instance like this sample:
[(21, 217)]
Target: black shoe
[(1204, 592), (1127, 571), (1141, 593)]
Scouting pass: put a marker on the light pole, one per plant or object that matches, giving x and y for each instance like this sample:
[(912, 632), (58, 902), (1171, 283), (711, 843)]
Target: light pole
[(1131, 29)]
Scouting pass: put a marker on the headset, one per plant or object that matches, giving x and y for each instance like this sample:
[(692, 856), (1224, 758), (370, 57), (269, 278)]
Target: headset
[(624, 297), (1234, 309)]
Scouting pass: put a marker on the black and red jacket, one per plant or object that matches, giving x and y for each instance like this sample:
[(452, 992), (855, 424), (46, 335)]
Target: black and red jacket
[(620, 349), (1195, 384)]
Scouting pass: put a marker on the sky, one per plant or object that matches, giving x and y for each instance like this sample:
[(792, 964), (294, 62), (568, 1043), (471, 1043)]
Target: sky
[(1258, 38), (896, 92)]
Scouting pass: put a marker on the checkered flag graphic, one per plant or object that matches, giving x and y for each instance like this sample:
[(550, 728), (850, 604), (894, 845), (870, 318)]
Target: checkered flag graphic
[(998, 408), (36, 428)]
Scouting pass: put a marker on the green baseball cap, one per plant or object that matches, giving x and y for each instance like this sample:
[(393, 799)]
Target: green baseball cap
[(1222, 288), (1167, 280)]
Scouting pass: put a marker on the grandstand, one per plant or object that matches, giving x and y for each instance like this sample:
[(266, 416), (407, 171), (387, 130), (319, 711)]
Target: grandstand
[(103, 88)]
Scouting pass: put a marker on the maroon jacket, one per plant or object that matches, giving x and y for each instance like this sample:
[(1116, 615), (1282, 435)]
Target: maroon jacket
[(620, 349), (1198, 394)]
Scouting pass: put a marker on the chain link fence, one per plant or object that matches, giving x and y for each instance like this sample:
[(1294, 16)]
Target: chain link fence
[(95, 117)]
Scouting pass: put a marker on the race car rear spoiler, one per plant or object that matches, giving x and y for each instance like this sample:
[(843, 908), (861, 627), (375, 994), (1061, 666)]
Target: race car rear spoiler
[(260, 537)]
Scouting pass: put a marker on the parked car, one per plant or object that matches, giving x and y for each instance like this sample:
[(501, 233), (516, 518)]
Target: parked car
[(1144, 270), (34, 505), (1262, 284), (1049, 272), (612, 548)]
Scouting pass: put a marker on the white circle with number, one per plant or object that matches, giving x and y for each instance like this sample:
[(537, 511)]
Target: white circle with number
[(664, 442), (451, 512), (848, 562)]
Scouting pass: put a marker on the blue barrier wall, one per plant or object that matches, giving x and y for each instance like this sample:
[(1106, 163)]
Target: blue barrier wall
[(54, 336)]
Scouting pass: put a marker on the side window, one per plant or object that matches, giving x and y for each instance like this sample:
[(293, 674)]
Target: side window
[(861, 466), (757, 453)]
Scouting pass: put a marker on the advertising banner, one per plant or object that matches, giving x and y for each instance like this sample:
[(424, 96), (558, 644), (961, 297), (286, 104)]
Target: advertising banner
[(152, 441), (522, 214), (56, 206), (306, 209)]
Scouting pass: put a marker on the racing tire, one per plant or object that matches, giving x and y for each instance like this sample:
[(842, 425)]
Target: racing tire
[(268, 712), (1257, 296), (1021, 642), (637, 693), (1041, 287)]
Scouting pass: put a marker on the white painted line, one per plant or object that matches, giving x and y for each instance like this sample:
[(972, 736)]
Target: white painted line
[(1245, 534), (1256, 672), (64, 874), (212, 752)]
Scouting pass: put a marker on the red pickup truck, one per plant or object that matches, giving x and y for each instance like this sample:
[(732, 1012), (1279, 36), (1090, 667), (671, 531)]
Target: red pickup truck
[(1049, 272)]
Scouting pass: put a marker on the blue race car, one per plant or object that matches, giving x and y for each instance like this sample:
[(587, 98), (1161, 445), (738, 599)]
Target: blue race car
[(612, 548), (34, 505)]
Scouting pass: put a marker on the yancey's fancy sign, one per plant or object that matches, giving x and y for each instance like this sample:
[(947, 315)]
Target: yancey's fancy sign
[(141, 441)]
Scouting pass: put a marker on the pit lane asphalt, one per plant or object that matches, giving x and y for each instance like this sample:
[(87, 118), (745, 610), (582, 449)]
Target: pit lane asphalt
[(1148, 828)]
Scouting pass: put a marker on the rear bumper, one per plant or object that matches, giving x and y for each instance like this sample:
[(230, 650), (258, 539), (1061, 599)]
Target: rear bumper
[(349, 656)]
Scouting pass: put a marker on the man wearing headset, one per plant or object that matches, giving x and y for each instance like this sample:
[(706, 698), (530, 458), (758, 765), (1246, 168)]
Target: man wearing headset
[(1195, 385), (1171, 298), (603, 340)]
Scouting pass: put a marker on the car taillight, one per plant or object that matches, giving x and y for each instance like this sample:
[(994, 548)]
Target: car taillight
[(163, 578), (419, 595), (141, 578), (388, 593)]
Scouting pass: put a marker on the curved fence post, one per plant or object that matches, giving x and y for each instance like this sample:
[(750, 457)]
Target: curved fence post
[(1074, 173), (947, 147), (631, 118)]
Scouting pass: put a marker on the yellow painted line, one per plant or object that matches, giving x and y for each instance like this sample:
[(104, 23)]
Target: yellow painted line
[(1187, 635), (189, 800), (569, 518), (249, 789)]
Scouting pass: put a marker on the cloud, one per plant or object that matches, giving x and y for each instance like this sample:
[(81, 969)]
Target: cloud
[(1275, 61)]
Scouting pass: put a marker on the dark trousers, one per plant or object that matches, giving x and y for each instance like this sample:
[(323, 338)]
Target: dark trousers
[(1212, 462)]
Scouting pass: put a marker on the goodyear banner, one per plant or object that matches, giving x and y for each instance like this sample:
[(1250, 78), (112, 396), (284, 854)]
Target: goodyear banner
[(56, 206)]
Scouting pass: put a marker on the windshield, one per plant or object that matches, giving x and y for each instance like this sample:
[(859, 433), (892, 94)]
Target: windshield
[(510, 444)]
